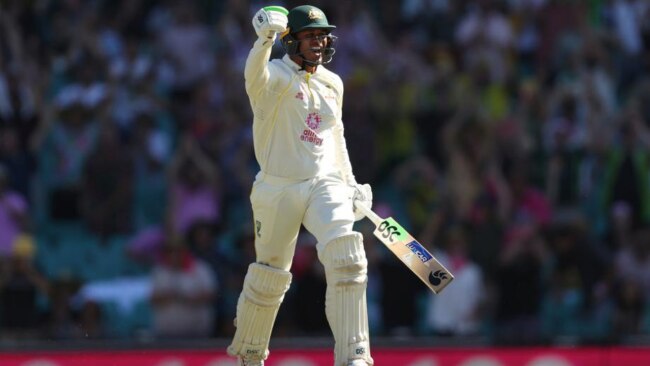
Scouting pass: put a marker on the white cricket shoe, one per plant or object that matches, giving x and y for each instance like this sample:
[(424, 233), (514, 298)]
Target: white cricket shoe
[(357, 363), (249, 362)]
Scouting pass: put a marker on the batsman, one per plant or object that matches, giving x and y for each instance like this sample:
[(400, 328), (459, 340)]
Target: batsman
[(305, 179)]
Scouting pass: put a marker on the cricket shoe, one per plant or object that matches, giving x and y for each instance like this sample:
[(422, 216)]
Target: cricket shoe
[(249, 362), (358, 363)]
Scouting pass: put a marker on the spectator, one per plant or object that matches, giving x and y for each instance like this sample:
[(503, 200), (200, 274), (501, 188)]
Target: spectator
[(238, 253), (628, 19), (576, 301), (18, 99), (308, 288), (202, 241), (520, 287), (632, 261), (107, 189), (184, 289), (194, 188), (63, 319), (625, 177), (566, 129), (151, 148), (14, 214), (64, 141), (185, 44), (528, 204), (486, 36), (22, 287), (457, 311), (145, 246), (18, 161), (629, 309)]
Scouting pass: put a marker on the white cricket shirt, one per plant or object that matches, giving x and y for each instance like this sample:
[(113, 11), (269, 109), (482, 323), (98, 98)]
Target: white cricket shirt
[(297, 126)]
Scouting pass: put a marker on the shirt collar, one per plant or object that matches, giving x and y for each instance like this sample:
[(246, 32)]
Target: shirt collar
[(294, 66)]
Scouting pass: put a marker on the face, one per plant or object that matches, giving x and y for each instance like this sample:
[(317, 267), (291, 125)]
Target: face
[(312, 43)]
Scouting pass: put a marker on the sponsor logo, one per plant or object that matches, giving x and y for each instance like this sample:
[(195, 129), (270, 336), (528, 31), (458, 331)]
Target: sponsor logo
[(313, 120), (419, 250), (260, 18), (312, 137), (388, 231), (300, 96), (435, 278), (360, 351), (258, 228)]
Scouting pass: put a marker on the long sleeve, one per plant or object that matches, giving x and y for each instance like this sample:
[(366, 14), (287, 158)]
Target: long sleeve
[(342, 156), (257, 72)]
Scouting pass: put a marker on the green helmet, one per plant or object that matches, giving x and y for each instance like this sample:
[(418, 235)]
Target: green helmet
[(307, 17)]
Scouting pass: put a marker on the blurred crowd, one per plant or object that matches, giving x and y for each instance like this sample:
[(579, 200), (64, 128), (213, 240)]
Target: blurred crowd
[(511, 137)]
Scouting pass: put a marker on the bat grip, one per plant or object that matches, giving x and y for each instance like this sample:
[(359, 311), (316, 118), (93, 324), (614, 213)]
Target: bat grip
[(368, 212)]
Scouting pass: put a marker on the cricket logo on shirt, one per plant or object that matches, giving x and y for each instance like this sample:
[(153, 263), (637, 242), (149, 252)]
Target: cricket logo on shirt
[(258, 228), (309, 134)]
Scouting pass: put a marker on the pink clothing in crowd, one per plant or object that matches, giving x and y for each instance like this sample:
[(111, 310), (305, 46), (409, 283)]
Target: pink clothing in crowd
[(534, 206), (11, 203), (194, 205)]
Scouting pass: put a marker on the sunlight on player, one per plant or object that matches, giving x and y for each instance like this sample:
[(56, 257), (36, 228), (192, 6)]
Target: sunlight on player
[(305, 178)]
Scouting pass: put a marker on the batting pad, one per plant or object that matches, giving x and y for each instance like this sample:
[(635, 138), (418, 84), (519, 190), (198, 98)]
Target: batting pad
[(346, 271), (257, 307)]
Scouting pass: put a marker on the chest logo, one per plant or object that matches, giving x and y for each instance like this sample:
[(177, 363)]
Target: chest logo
[(313, 120), (300, 96)]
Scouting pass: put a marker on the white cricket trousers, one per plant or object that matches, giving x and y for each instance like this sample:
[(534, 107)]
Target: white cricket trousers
[(280, 205)]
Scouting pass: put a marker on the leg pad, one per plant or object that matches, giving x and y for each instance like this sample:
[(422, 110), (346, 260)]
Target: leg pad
[(257, 307), (346, 271)]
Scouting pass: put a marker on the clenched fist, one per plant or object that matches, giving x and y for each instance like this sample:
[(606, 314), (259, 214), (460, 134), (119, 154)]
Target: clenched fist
[(269, 21)]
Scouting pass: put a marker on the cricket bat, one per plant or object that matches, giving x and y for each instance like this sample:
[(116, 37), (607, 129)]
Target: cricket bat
[(408, 250)]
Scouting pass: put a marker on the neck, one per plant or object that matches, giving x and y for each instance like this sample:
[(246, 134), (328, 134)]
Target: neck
[(306, 66), (310, 68)]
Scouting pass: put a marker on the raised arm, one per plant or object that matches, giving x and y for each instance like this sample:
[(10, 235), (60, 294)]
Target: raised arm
[(267, 22)]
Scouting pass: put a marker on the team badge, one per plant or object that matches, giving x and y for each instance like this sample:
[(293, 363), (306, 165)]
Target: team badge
[(314, 14)]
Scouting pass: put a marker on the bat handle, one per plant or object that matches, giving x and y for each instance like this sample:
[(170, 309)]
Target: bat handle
[(368, 212)]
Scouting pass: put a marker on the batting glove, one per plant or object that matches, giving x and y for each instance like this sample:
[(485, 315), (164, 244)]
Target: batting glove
[(269, 21), (363, 194)]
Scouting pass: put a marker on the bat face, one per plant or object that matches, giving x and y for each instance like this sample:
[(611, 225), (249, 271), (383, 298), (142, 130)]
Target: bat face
[(413, 254)]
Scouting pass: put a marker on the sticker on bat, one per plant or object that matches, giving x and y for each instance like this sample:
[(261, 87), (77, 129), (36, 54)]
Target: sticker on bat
[(419, 251), (391, 230), (436, 277)]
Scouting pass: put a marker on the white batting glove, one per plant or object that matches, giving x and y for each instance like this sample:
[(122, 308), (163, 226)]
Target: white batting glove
[(269, 21), (362, 193)]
